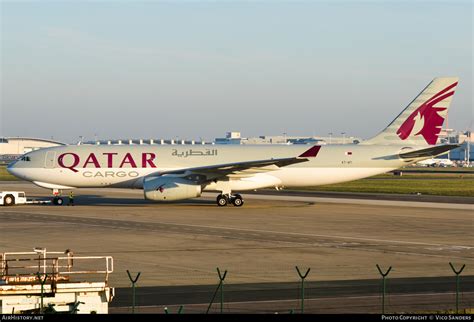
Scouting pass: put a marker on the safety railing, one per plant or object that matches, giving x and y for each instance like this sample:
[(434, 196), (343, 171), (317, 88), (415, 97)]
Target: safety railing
[(33, 267)]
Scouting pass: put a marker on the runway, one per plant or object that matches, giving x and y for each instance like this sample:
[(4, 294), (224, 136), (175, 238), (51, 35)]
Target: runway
[(178, 246), (299, 239), (330, 195), (357, 200)]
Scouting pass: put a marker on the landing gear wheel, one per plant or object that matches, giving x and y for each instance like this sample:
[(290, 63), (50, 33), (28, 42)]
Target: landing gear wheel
[(58, 201), (237, 201), (222, 200), (9, 200)]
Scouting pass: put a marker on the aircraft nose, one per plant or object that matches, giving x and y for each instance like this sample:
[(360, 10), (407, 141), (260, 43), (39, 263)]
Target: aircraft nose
[(11, 168)]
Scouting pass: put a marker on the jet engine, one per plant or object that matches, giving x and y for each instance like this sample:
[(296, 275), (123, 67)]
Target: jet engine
[(170, 188)]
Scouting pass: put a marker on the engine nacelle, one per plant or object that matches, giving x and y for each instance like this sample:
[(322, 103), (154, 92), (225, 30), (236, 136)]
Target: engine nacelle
[(170, 189)]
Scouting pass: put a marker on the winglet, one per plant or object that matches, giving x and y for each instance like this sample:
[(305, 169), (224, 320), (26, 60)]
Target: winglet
[(311, 152)]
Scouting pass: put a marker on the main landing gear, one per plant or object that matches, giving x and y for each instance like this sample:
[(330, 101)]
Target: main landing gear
[(223, 200)]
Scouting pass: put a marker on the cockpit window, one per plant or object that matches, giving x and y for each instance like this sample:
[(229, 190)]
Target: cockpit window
[(25, 158)]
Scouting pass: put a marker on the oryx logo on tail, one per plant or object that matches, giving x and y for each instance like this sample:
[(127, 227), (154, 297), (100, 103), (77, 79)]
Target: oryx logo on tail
[(427, 119)]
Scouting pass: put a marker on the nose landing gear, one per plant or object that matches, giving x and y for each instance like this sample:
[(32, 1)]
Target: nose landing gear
[(57, 200), (222, 200)]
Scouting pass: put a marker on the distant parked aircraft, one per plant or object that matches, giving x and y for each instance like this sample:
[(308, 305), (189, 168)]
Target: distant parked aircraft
[(176, 172), (436, 163)]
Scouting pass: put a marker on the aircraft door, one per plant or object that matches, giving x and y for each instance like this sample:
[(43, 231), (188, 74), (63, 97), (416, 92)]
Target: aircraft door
[(50, 160)]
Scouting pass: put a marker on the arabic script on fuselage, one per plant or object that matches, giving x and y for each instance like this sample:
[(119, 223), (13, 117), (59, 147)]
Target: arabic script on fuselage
[(194, 153)]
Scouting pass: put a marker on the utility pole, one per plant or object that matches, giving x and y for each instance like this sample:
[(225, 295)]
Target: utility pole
[(468, 148)]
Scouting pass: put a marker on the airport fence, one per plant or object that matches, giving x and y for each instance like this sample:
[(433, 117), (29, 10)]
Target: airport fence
[(301, 293), (450, 294)]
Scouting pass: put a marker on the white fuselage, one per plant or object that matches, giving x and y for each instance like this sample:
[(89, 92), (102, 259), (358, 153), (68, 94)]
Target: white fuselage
[(127, 166)]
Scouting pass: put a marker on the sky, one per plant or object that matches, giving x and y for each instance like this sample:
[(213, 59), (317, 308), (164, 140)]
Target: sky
[(197, 69)]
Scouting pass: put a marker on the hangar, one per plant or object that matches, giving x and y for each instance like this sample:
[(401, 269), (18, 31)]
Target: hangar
[(13, 147)]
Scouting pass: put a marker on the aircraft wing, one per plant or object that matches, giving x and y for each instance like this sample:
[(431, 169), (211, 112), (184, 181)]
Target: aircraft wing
[(244, 168), (428, 152)]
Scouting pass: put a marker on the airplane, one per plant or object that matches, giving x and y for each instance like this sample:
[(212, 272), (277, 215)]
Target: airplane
[(175, 172), (436, 163)]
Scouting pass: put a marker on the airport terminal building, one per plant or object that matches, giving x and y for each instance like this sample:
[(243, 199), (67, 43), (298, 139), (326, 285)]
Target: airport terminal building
[(13, 147)]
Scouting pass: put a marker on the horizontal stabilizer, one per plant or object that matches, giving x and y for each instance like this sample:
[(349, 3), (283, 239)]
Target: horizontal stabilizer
[(428, 152)]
